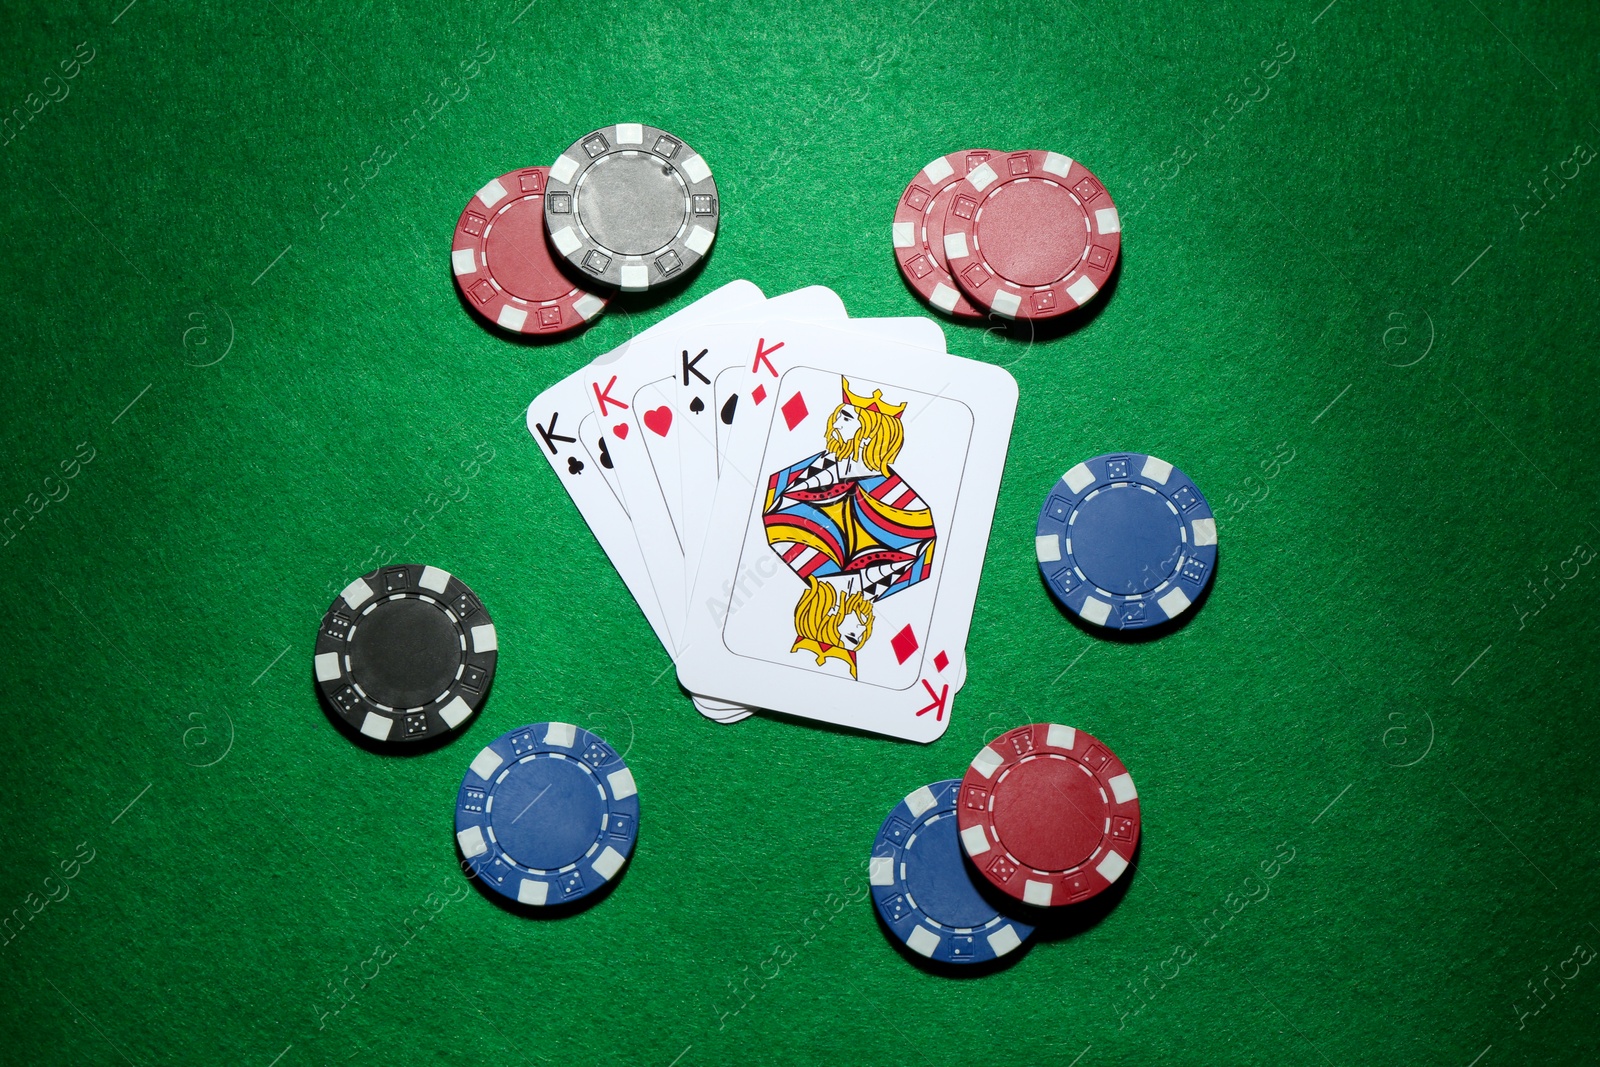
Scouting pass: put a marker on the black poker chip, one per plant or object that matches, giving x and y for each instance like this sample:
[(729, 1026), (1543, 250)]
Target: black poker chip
[(406, 653)]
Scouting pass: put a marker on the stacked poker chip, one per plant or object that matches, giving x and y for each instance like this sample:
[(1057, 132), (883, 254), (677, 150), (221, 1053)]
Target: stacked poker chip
[(963, 870), (1022, 235), (628, 207)]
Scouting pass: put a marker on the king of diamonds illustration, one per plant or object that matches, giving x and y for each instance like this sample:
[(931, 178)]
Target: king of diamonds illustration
[(849, 527)]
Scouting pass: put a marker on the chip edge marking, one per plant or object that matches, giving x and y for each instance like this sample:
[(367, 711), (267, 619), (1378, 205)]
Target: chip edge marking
[(608, 863), (456, 712), (622, 784), (328, 667), (357, 593), (1004, 940), (486, 763), (923, 941), (920, 801), (472, 841), (1079, 478), (1111, 867), (1122, 788)]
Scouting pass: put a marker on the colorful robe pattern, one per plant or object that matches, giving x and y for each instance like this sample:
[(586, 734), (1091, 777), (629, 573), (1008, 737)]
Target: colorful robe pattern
[(875, 530)]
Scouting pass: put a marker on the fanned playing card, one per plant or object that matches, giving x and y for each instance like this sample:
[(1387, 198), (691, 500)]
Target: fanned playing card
[(579, 449), (633, 438)]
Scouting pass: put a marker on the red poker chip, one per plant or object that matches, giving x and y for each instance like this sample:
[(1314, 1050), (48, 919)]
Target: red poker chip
[(1031, 235), (1048, 814), (919, 230), (504, 266)]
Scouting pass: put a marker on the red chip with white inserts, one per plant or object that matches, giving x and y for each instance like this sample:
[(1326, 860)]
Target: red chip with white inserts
[(1031, 235), (1048, 815), (504, 266)]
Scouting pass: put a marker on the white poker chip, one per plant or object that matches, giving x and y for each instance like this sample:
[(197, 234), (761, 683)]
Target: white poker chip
[(631, 207)]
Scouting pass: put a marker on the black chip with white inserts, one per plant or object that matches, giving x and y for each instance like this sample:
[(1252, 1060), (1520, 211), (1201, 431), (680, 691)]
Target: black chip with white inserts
[(406, 653)]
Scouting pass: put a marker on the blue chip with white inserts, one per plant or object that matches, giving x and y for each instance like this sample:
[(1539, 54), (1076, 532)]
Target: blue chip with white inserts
[(1126, 541), (547, 814), (921, 887)]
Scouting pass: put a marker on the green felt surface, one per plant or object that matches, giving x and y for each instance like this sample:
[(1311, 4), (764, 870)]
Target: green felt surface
[(1356, 304)]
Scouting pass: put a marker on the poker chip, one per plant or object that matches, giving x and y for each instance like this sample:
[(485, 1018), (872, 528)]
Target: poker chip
[(631, 206), (1048, 814), (547, 814), (1031, 235), (406, 653), (1126, 541), (503, 263), (922, 888), (919, 220)]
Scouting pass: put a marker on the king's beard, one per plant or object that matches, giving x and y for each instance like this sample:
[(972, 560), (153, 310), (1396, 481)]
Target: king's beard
[(839, 448)]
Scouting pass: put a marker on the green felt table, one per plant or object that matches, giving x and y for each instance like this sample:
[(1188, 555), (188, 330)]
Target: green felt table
[(1356, 304)]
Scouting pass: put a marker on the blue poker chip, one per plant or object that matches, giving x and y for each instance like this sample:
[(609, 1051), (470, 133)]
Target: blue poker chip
[(1126, 541), (921, 887), (547, 814)]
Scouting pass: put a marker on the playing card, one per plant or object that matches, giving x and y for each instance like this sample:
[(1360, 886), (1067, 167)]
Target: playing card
[(606, 519), (631, 397), (589, 451), (847, 534), (675, 424), (579, 451), (556, 418), (653, 416), (711, 398), (720, 303), (676, 431), (745, 381)]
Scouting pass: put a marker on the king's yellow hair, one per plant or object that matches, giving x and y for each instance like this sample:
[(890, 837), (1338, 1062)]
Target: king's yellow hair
[(816, 618), (884, 436)]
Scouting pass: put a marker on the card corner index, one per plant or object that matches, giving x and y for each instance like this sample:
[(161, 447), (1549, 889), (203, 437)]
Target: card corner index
[(536, 408)]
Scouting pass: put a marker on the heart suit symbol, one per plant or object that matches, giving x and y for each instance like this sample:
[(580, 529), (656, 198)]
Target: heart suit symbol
[(658, 421)]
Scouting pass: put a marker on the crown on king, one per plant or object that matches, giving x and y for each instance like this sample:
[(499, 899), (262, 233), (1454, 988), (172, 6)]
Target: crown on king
[(875, 402)]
